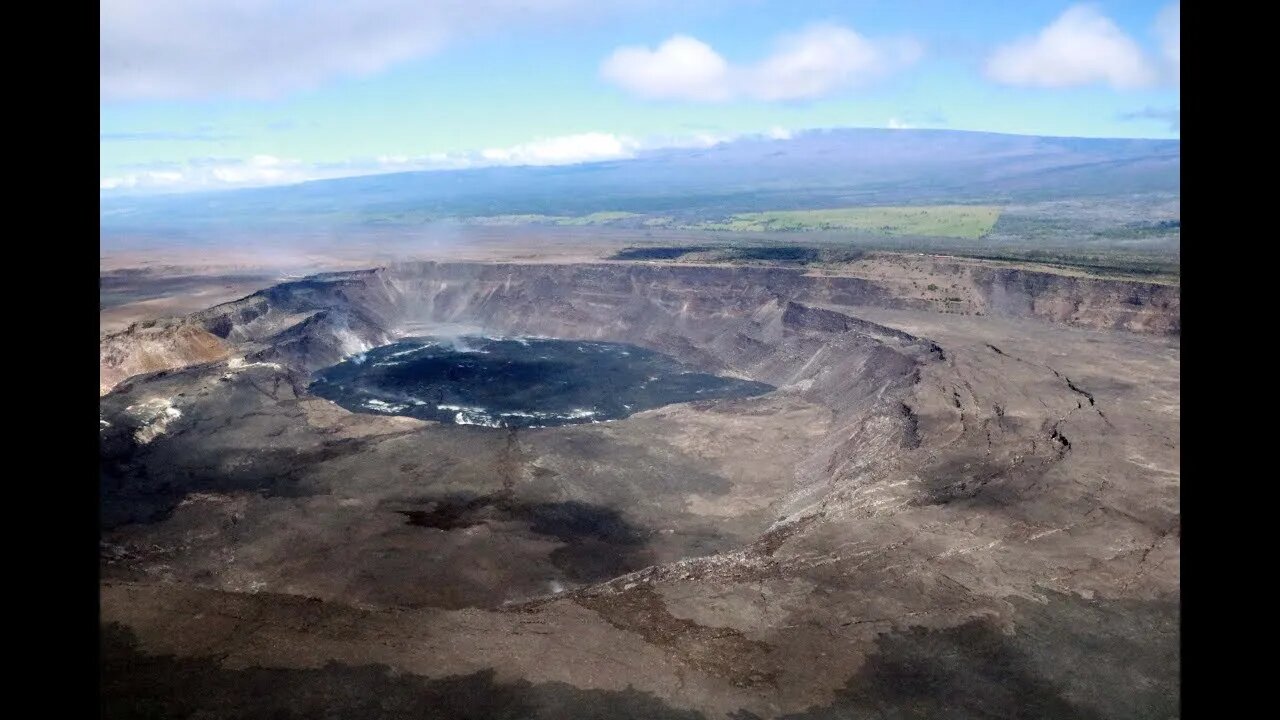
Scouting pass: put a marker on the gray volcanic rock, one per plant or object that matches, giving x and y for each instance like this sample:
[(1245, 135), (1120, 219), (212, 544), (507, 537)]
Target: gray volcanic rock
[(361, 308), (932, 515)]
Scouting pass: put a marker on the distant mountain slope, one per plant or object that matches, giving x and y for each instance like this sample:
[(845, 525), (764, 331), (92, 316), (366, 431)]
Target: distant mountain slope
[(815, 169)]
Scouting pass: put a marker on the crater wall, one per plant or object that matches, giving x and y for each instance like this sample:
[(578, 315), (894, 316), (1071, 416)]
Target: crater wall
[(725, 556)]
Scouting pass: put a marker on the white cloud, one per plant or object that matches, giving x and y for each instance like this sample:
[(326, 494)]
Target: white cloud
[(779, 133), (263, 48), (896, 124), (817, 61), (682, 68), (823, 59), (564, 150), (259, 170), (1081, 47), (152, 178), (1169, 30), (215, 173)]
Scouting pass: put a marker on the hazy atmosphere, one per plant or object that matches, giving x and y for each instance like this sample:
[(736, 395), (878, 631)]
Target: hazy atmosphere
[(206, 94), (693, 360)]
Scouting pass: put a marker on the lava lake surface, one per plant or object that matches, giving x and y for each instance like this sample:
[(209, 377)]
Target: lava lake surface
[(518, 382)]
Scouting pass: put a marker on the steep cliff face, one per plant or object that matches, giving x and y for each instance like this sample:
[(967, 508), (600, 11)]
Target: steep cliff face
[(745, 555), (741, 322), (348, 312), (778, 326), (450, 291), (763, 324), (570, 295), (148, 347), (1082, 301)]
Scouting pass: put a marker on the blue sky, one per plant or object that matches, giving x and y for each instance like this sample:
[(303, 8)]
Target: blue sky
[(205, 94)]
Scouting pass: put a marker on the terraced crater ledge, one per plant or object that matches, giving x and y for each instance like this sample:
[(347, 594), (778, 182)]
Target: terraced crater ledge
[(986, 504)]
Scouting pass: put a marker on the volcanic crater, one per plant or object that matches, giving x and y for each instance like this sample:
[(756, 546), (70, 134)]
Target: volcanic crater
[(876, 481)]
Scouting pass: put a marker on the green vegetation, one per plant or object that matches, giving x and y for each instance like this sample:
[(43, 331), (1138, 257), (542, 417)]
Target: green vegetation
[(1154, 267), (1135, 236), (959, 221), (596, 218), (508, 220), (748, 254), (1122, 223), (673, 252), (1148, 266), (1141, 230), (954, 221)]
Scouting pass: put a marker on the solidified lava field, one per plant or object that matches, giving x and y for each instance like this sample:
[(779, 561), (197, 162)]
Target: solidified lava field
[(517, 382), (892, 511)]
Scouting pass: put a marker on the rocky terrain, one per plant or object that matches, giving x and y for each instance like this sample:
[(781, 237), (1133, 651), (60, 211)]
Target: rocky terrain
[(947, 285), (937, 514)]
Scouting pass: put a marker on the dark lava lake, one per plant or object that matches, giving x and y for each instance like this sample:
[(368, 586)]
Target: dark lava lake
[(518, 382)]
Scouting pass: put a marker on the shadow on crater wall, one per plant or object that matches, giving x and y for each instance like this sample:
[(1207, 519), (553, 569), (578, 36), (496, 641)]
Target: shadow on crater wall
[(1068, 658), (599, 543), (137, 686)]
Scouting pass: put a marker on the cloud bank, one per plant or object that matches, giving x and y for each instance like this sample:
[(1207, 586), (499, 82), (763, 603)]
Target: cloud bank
[(265, 48), (218, 173), (812, 63), (1081, 47)]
